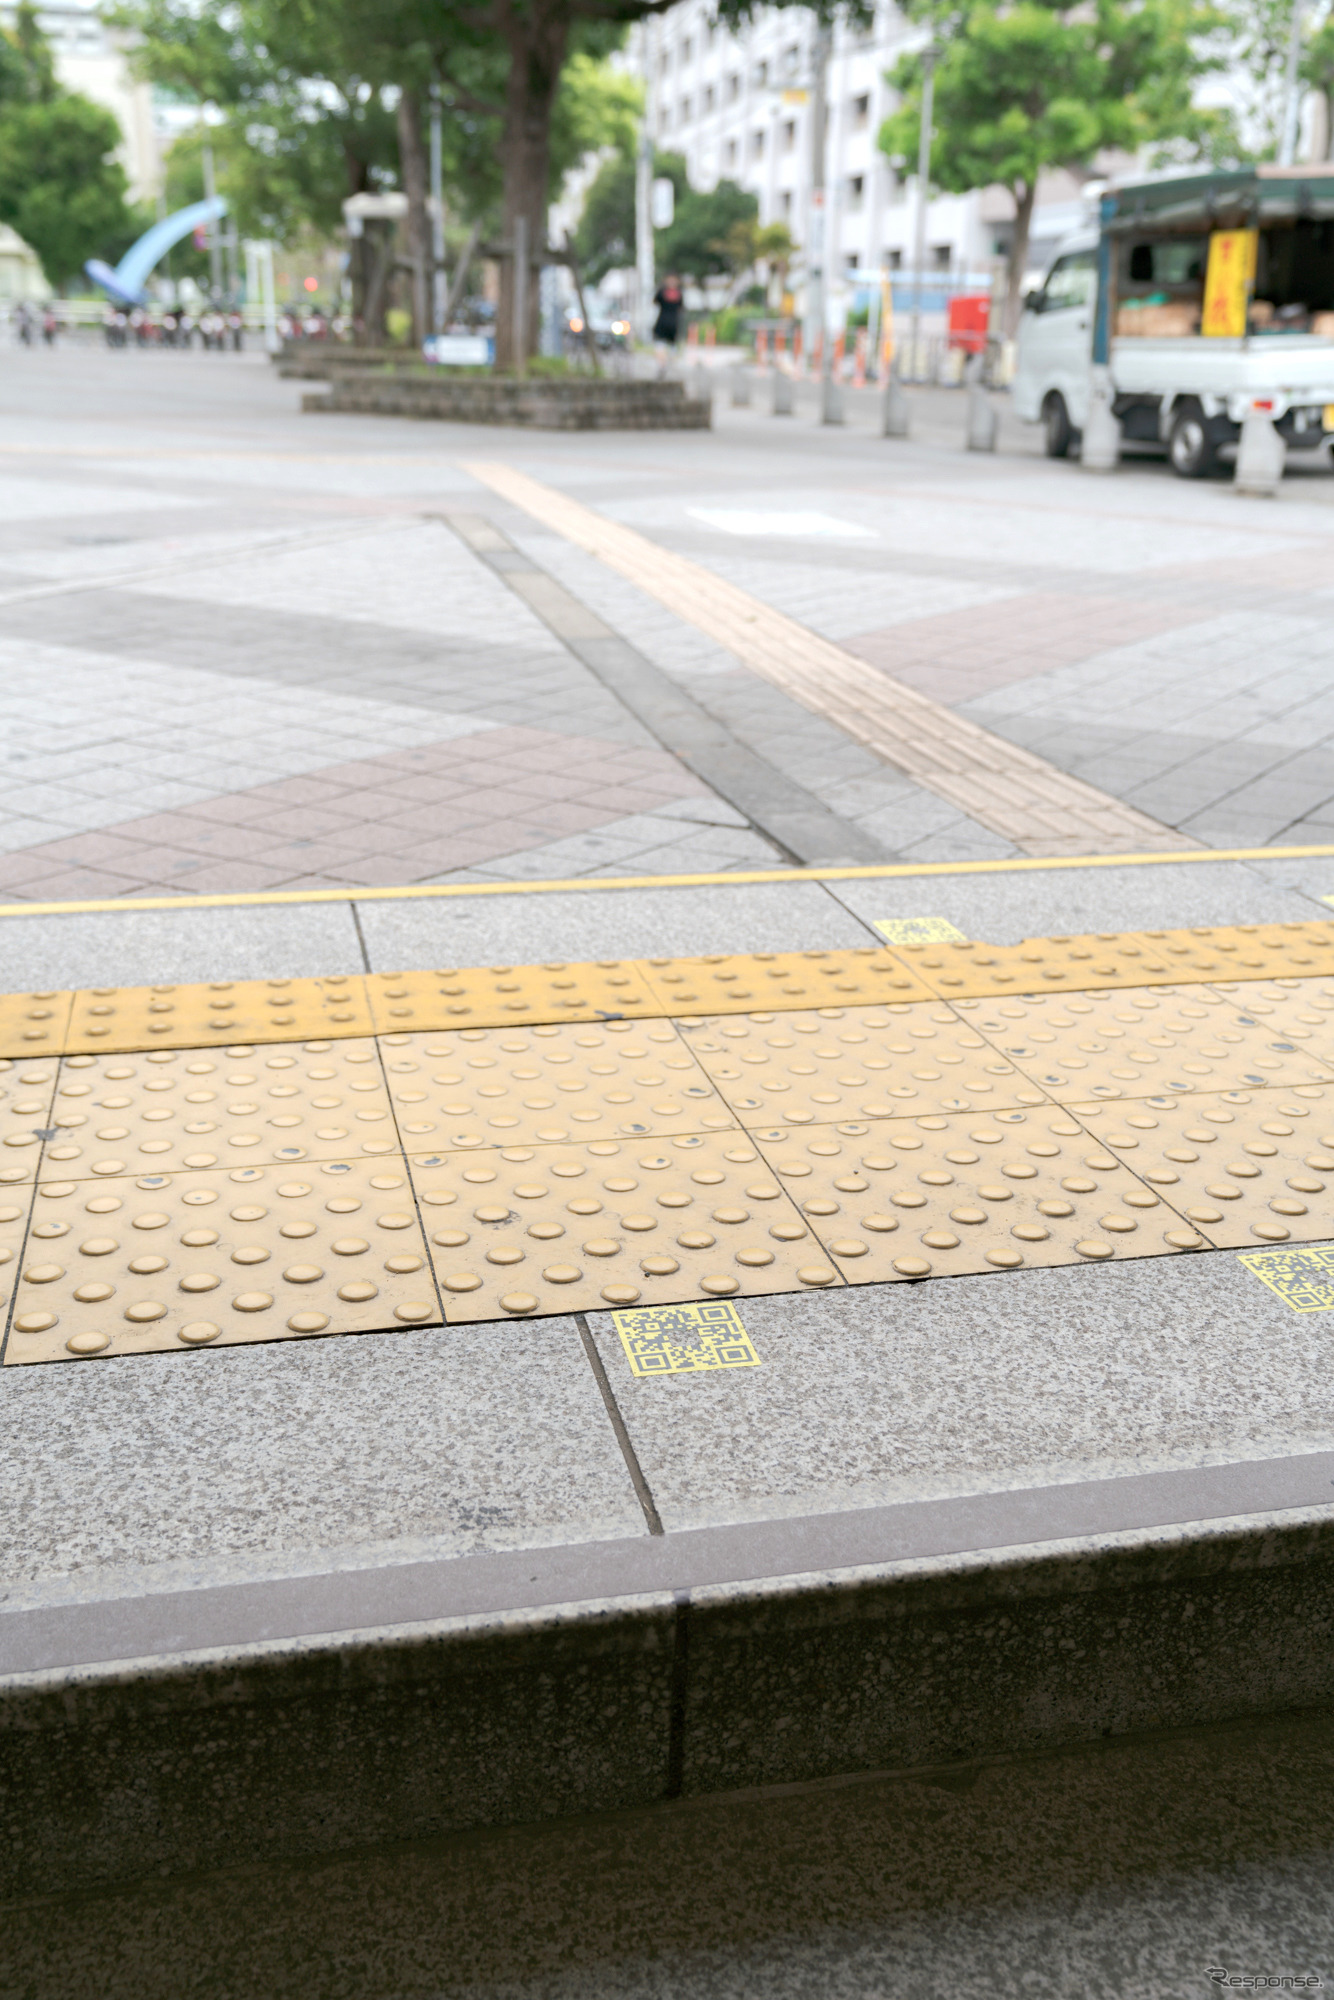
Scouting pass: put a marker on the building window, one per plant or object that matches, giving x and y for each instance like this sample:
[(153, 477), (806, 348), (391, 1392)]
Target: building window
[(791, 60), (685, 111), (861, 112), (761, 75), (757, 145), (856, 189), (665, 63), (687, 49), (785, 202), (851, 260), (710, 34), (708, 98), (894, 259), (731, 152), (733, 89), (941, 256), (790, 135)]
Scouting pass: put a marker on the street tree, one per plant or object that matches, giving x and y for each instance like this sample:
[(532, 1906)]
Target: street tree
[(1023, 87), (60, 186)]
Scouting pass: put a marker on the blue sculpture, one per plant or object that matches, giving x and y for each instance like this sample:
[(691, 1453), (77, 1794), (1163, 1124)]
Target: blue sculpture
[(126, 283)]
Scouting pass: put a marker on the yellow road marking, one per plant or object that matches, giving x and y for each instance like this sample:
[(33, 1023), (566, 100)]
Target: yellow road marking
[(881, 871)]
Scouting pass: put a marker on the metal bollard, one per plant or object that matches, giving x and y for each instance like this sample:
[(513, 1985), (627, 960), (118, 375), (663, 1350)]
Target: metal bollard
[(782, 403), (894, 412), (831, 402), (740, 388), (1261, 454), (699, 390), (1100, 444), (983, 422)]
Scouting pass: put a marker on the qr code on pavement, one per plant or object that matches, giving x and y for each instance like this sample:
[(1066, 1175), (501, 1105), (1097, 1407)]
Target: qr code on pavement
[(682, 1340)]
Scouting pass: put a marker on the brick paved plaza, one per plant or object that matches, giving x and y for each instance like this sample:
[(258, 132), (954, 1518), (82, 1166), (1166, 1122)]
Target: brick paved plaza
[(244, 649), (784, 1443)]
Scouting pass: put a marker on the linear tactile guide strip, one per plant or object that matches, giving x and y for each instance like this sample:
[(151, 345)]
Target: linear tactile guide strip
[(780, 980), (125, 1266), (499, 994), (535, 1086), (1141, 1041), (547, 1229), (1143, 958), (241, 1010), (34, 1023), (853, 1062), (26, 1090), (282, 1101), (938, 1197), (1243, 1166), (642, 1132)]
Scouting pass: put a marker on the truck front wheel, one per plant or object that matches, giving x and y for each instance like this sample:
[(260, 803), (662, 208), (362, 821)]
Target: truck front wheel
[(1190, 447), (1057, 432)]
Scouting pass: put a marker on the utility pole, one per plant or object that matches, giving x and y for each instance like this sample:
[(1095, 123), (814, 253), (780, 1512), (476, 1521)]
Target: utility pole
[(816, 247), (1292, 90), (929, 54), (214, 245), (645, 263), (437, 216)]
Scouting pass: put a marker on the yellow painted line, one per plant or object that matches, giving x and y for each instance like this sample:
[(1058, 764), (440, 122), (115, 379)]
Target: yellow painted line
[(885, 871)]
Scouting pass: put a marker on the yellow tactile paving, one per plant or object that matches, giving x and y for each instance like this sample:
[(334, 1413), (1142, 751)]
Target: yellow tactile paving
[(1141, 1041), (535, 1086), (13, 1222), (239, 1010), (546, 1229), (126, 1266), (643, 1133), (1131, 958), (34, 1023), (1243, 1166), (940, 1197), (779, 979), (853, 1062), (490, 997), (201, 1108), (26, 1090)]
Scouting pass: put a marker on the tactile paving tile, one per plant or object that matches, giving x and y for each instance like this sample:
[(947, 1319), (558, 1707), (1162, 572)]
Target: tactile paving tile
[(1243, 1166), (237, 1010), (200, 1108), (854, 1062), (780, 979), (535, 1086), (129, 1266), (34, 1023), (937, 1197), (1141, 1042), (551, 1229), (1299, 1010), (490, 997), (1126, 958), (26, 1091), (14, 1206)]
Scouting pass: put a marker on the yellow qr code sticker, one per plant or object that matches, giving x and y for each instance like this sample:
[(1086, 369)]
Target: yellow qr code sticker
[(685, 1340), (919, 930), (1304, 1278)]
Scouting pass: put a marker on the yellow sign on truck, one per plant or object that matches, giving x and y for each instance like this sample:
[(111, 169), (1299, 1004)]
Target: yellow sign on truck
[(1228, 281)]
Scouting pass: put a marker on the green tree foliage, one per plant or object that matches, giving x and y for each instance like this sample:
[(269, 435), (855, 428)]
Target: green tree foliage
[(1318, 71), (705, 236), (1027, 86), (59, 186)]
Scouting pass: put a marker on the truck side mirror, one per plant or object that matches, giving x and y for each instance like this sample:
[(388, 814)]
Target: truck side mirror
[(1032, 302)]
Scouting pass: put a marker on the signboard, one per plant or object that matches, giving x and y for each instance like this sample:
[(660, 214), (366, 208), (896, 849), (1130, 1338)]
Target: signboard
[(663, 203), (1227, 283), (458, 350)]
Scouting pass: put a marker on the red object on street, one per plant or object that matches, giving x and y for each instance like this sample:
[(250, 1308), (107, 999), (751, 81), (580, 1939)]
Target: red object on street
[(692, 335), (967, 323), (761, 348), (859, 359)]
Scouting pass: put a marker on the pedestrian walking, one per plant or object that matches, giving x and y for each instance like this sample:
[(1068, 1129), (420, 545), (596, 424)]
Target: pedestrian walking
[(667, 326)]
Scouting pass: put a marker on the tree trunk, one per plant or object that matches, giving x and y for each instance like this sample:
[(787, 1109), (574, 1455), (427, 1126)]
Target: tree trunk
[(536, 40), (1024, 193), (412, 171)]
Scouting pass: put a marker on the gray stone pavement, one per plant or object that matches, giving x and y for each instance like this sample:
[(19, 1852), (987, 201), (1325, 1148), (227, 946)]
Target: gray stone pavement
[(240, 653)]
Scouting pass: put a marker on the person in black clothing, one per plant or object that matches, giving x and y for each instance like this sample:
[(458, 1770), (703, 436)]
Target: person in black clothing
[(667, 326)]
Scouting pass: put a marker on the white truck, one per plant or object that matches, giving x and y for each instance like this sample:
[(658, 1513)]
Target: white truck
[(1129, 293)]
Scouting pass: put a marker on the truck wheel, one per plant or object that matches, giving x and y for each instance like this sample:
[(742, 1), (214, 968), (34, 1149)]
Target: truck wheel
[(1058, 434), (1191, 449)]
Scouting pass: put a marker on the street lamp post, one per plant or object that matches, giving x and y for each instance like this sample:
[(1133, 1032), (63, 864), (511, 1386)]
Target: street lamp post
[(817, 248), (644, 256), (929, 56)]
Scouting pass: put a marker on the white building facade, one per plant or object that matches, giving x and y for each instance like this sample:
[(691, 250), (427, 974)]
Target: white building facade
[(90, 58)]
